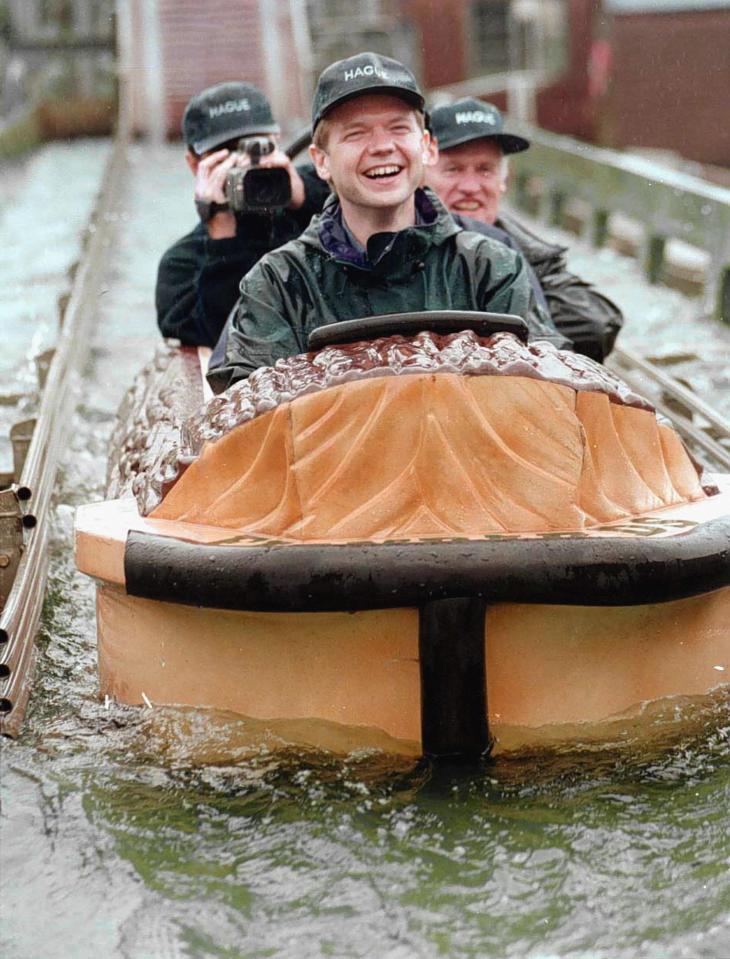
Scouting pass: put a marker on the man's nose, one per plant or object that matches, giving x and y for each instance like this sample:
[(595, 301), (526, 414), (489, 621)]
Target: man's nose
[(381, 141), (469, 183)]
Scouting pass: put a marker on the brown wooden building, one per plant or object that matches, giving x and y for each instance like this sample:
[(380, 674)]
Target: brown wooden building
[(624, 73), (670, 77)]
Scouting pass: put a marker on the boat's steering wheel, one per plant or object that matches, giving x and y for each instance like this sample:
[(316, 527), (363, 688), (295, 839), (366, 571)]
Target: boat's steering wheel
[(408, 324)]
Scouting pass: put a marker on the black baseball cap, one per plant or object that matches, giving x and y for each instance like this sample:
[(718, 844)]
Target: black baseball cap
[(362, 74), (468, 119), (226, 111)]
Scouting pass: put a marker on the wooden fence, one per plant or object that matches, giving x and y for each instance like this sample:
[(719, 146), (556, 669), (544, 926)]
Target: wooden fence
[(668, 204)]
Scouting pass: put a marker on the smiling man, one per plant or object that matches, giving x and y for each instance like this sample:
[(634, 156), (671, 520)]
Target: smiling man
[(470, 176), (382, 244)]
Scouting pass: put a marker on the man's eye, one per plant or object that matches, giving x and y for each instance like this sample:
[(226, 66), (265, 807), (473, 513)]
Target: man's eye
[(401, 128)]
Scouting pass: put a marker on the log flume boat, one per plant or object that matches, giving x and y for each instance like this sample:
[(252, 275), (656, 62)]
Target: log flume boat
[(425, 526)]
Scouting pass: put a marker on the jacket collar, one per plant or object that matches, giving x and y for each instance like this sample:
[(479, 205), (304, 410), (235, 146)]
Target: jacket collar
[(387, 253)]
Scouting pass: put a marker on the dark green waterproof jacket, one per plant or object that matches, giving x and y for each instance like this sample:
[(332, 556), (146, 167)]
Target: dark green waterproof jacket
[(322, 277)]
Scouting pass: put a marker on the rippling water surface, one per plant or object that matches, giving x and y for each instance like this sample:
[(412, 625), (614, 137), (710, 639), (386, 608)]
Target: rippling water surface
[(163, 833), (41, 228)]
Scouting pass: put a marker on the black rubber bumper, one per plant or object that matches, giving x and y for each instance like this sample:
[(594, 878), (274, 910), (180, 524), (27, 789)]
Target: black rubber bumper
[(579, 571)]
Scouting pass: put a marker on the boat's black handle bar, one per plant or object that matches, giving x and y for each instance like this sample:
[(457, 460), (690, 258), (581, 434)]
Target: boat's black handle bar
[(562, 568), (408, 324)]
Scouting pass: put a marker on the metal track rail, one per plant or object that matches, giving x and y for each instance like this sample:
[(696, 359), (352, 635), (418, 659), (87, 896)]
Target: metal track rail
[(680, 405), (21, 612)]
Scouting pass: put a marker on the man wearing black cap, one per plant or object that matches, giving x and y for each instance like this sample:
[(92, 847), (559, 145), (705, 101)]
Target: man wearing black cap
[(198, 277), (382, 244), (470, 177)]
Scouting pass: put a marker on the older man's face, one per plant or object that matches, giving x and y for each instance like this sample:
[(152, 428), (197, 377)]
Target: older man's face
[(470, 179)]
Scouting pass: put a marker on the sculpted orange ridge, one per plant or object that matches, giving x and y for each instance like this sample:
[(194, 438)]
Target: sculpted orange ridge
[(454, 454), (463, 354)]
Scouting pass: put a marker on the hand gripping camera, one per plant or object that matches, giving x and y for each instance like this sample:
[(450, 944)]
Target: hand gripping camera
[(256, 188)]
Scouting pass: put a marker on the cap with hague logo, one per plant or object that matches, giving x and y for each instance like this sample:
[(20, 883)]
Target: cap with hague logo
[(226, 111), (469, 119), (362, 74)]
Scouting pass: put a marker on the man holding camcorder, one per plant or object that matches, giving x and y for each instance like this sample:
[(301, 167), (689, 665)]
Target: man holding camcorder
[(250, 199)]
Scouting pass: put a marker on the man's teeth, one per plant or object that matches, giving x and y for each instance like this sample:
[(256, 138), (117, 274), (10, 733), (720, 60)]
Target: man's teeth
[(468, 205), (382, 171)]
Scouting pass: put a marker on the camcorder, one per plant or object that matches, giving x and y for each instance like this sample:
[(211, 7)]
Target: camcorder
[(257, 188)]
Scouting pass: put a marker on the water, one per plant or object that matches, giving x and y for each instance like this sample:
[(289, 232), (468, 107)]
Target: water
[(167, 833), (161, 833), (45, 204), (41, 227)]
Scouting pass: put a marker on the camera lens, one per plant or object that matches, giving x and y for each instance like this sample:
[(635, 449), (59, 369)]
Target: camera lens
[(267, 189)]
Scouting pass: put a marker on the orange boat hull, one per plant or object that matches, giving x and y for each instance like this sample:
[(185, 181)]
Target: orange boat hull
[(545, 664)]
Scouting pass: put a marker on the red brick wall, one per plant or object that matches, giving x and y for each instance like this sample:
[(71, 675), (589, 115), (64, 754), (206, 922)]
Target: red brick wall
[(671, 83), (203, 42), (206, 42)]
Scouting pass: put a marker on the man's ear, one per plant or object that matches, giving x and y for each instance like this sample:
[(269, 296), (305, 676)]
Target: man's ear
[(192, 161), (504, 173), (430, 149), (321, 163)]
